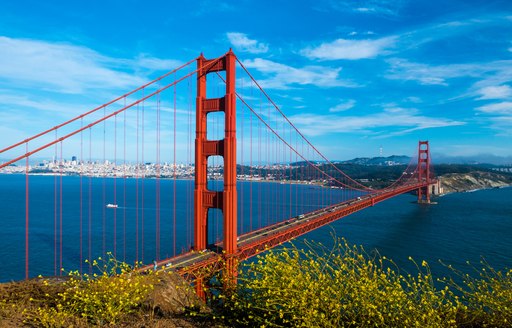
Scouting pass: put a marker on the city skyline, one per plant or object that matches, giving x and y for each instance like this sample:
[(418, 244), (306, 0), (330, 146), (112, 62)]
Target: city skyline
[(372, 74)]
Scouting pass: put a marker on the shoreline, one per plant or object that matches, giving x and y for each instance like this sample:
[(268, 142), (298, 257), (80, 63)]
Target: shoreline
[(451, 182), (472, 190), (473, 181)]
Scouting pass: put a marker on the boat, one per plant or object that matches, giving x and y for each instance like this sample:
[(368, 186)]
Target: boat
[(111, 205)]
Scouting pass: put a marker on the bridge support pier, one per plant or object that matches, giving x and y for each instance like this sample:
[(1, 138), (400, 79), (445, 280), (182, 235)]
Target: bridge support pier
[(205, 199)]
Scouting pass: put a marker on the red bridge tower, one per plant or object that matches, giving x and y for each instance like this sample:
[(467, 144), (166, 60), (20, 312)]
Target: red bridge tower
[(424, 171), (204, 199)]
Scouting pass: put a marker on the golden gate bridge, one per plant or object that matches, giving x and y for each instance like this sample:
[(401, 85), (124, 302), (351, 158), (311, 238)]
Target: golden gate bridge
[(216, 115)]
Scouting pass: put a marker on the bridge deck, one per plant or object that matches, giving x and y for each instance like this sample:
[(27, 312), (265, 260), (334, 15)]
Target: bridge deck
[(254, 242)]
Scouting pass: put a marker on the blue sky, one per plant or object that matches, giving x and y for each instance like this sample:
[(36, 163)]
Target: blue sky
[(354, 76)]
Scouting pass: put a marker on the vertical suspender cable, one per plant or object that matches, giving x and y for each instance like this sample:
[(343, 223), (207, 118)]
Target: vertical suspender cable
[(282, 173), (55, 211), (143, 178), (124, 183), (137, 174), (89, 228), (303, 177), (27, 195), (290, 177), (103, 183), (60, 209), (190, 190), (269, 158), (81, 195), (241, 215), (157, 189), (114, 171), (260, 223), (297, 178), (275, 199), (174, 173), (251, 172)]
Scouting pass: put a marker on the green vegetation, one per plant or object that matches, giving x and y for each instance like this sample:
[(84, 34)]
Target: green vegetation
[(343, 286), (316, 286), (80, 299), (117, 295), (375, 176)]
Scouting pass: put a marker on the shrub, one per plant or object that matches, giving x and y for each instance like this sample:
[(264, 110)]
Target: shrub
[(487, 296), (334, 287), (101, 298)]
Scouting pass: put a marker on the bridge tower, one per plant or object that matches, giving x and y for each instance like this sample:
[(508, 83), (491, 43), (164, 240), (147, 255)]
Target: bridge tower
[(205, 199), (424, 172)]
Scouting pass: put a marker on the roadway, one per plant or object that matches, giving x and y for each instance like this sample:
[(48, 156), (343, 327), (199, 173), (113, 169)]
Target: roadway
[(255, 242)]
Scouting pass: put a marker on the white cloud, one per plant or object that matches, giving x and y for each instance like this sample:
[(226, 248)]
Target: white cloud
[(285, 95), (401, 69), (10, 102), (491, 77), (393, 109), (496, 92), (376, 7), (412, 99), (350, 49), (341, 107), (503, 126), (447, 31), (241, 42), (497, 116), (38, 76), (379, 123), (493, 73), (60, 67), (282, 76), (354, 33), (156, 64), (497, 108)]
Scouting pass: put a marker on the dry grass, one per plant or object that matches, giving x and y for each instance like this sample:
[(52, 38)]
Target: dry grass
[(125, 299)]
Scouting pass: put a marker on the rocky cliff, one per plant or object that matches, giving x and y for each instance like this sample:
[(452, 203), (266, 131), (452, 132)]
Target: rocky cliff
[(460, 182)]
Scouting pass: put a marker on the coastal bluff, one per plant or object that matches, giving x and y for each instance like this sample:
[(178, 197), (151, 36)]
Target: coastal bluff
[(463, 182)]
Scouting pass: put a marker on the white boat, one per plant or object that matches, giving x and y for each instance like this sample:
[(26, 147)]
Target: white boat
[(111, 205)]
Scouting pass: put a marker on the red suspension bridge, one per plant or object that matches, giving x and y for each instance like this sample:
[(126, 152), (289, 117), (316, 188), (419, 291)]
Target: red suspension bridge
[(118, 178)]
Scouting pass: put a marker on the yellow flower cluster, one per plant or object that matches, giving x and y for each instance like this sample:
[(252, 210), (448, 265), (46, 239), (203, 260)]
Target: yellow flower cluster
[(487, 296), (102, 298), (343, 286)]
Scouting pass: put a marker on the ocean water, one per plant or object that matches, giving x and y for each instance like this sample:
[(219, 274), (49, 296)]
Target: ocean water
[(461, 227)]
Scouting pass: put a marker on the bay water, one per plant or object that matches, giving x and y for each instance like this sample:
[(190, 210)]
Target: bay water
[(461, 227)]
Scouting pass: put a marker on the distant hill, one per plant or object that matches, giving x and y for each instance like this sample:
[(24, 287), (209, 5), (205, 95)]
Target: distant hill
[(472, 160), (437, 159), (383, 161)]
